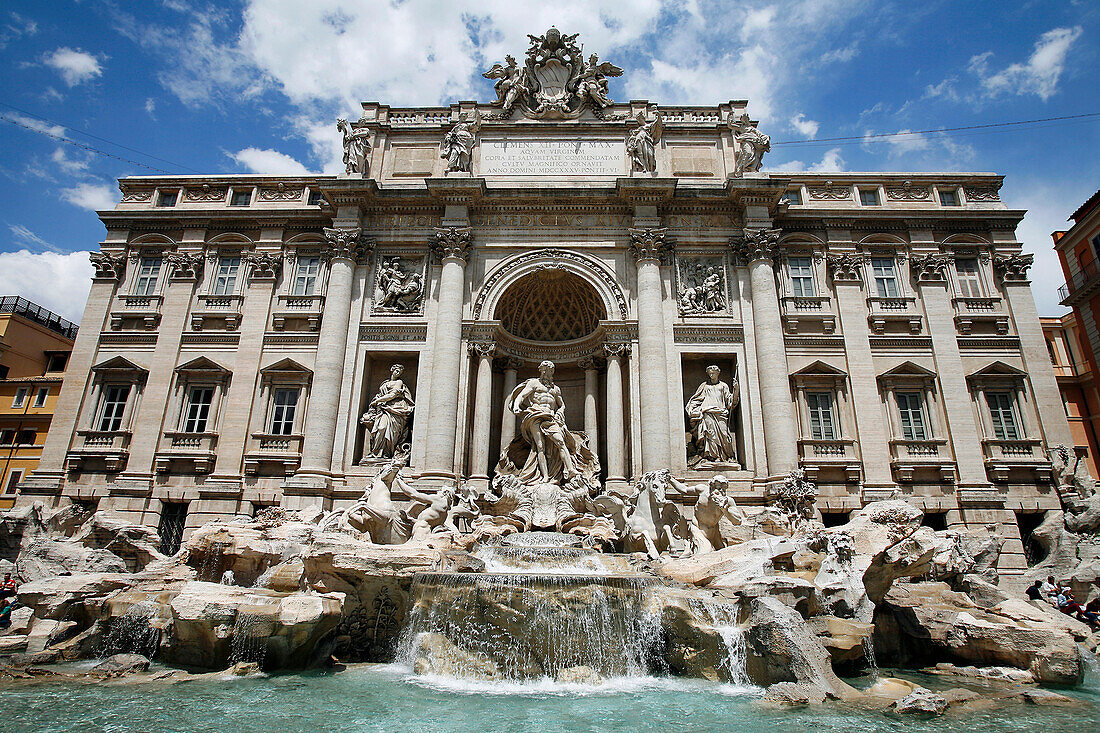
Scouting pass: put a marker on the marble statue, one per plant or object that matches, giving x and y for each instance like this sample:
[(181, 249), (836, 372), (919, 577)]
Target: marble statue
[(509, 84), (387, 417), (641, 143), (653, 522), (356, 148), (592, 82), (399, 291), (375, 513), (458, 144), (750, 145), (708, 412), (434, 516), (702, 289), (711, 508)]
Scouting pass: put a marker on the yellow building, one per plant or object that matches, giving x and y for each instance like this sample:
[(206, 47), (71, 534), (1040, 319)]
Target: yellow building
[(34, 349)]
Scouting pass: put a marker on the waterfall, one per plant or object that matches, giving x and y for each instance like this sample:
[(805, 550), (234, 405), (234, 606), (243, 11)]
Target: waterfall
[(133, 632), (210, 568), (249, 638), (723, 618), (869, 655)]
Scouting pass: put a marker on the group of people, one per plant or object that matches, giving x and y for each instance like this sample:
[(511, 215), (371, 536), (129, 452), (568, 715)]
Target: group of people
[(8, 600), (1061, 597)]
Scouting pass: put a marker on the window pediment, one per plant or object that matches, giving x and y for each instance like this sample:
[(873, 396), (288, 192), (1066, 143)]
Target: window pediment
[(997, 373), (908, 373), (203, 369)]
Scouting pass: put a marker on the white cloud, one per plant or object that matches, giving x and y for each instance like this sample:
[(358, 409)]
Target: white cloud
[(806, 127), (831, 162), (270, 162), (70, 166), (74, 66), (26, 236), (1038, 75), (91, 196), (35, 125), (56, 281), (150, 106)]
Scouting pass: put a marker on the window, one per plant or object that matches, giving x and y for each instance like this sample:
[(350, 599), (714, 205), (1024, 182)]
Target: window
[(802, 276), (57, 362), (911, 412), (173, 517), (305, 279), (241, 197), (26, 437), (886, 277), (1002, 411), (868, 196), (111, 412), (20, 397), (148, 274), (283, 409), (822, 426), (4, 371), (225, 282), (7, 437), (1053, 353), (315, 198), (949, 198), (14, 478), (197, 411), (40, 397), (970, 282), (167, 198), (793, 197)]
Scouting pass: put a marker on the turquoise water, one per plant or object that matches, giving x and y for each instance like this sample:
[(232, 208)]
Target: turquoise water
[(386, 698)]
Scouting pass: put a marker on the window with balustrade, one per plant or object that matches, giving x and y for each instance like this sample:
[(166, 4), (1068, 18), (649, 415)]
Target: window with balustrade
[(800, 273), (306, 273), (148, 275), (968, 277), (884, 275), (225, 278), (200, 389), (1001, 401), (112, 407), (115, 388), (911, 396)]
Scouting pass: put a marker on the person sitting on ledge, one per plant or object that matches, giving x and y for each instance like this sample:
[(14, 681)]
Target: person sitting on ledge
[(7, 587), (1069, 606), (1049, 589), (6, 607), (1034, 591)]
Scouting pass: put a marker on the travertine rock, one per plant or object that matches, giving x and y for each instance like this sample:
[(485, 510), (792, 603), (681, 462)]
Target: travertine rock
[(737, 562), (921, 701), (68, 596), (120, 664)]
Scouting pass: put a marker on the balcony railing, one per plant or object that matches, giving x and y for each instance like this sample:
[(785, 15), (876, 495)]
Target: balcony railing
[(1088, 274), (38, 314)]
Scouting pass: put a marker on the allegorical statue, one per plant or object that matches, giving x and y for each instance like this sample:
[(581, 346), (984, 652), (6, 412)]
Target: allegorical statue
[(712, 507), (376, 513), (509, 84), (387, 417), (458, 144), (641, 143), (750, 143), (356, 148), (708, 413), (398, 291), (592, 81), (702, 291)]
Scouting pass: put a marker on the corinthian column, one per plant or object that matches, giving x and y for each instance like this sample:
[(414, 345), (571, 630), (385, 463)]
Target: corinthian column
[(647, 246), (591, 414), (345, 246), (758, 248), (452, 245), (615, 431), (508, 420), (483, 405)]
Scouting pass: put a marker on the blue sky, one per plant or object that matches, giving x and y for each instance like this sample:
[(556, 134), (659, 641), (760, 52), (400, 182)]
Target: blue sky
[(186, 86)]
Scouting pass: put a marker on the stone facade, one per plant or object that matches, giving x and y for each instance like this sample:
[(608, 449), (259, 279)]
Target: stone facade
[(880, 327)]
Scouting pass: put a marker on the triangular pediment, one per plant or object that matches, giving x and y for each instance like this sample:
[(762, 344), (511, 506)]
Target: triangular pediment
[(997, 371), (285, 365), (202, 364), (908, 369), (819, 369), (119, 364)]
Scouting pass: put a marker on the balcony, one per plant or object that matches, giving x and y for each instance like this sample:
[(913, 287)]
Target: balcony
[(283, 453), (142, 309), (984, 312), (298, 307), (823, 456), (108, 447), (814, 311), (214, 309), (894, 312), (196, 449), (1002, 457), (1084, 283), (909, 457)]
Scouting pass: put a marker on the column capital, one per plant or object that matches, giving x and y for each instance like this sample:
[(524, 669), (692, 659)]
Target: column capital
[(845, 268), (590, 364), (650, 244), (510, 363), (265, 266), (452, 242), (483, 349), (930, 268), (756, 244), (108, 266), (1013, 268), (347, 243), (616, 349), (185, 266)]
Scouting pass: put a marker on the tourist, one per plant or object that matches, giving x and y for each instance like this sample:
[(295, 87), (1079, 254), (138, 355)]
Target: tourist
[(8, 587), (1049, 589), (6, 607), (1035, 591)]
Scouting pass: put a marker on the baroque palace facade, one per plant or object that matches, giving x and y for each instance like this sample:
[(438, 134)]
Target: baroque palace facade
[(254, 340)]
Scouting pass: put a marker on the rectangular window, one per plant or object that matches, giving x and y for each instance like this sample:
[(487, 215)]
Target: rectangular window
[(315, 198), (886, 277), (241, 197), (970, 282), (225, 282), (949, 198), (822, 426), (14, 478), (7, 437), (57, 362), (197, 413), (20, 397), (793, 197), (167, 198), (802, 276), (173, 517), (868, 196), (305, 279), (911, 411), (282, 411), (40, 396), (115, 397), (26, 437), (148, 274), (1002, 410)]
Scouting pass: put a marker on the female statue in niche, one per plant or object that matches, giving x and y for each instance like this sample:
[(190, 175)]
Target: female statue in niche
[(387, 417), (708, 413)]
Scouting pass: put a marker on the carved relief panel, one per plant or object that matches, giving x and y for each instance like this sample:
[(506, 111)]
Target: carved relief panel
[(399, 282), (702, 285)]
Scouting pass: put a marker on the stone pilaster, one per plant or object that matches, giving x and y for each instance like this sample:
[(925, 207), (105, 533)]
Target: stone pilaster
[(616, 428), (758, 248), (648, 246), (482, 351)]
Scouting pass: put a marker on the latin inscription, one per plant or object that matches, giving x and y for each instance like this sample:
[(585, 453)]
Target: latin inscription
[(553, 158)]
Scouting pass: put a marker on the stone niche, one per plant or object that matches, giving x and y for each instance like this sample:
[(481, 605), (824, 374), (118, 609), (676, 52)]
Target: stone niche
[(693, 371), (376, 370)]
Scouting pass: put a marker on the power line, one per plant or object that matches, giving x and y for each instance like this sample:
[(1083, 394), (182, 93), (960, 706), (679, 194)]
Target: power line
[(941, 130), (89, 148), (94, 137)]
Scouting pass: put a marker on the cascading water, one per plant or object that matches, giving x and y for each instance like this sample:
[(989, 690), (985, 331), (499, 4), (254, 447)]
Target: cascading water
[(134, 632), (250, 632), (723, 618), (210, 568)]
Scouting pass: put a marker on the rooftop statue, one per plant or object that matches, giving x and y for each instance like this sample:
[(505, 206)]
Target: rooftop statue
[(458, 144), (751, 145), (642, 141), (356, 148)]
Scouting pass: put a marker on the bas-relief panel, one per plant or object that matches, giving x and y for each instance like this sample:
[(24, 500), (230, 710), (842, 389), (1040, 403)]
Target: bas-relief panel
[(702, 285), (399, 282)]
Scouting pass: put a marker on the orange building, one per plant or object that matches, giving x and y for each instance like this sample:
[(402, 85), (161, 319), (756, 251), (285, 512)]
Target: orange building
[(34, 349), (1076, 382)]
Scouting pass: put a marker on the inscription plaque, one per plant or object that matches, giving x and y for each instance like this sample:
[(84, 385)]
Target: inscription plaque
[(553, 157)]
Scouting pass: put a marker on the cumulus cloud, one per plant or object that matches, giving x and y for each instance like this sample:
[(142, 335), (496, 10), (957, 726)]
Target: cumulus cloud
[(806, 127), (831, 162), (270, 162), (1039, 75), (71, 166), (74, 66), (91, 196), (56, 281)]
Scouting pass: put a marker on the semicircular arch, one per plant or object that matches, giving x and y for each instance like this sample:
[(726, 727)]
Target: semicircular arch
[(588, 269)]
